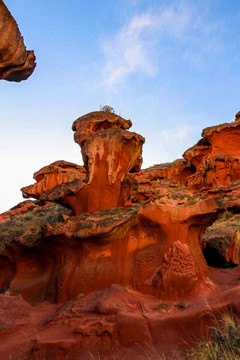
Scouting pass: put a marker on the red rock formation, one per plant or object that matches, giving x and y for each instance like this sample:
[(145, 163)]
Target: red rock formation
[(182, 269), (58, 173), (215, 157), (158, 249), (16, 63), (121, 324), (165, 256), (114, 323), (211, 165), (109, 153)]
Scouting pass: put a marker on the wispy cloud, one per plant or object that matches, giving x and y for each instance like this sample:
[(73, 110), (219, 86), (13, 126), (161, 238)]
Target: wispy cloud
[(135, 48), (168, 145), (179, 134), (127, 52)]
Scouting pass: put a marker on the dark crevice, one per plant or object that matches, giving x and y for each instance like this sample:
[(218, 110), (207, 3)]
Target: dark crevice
[(203, 142), (213, 258)]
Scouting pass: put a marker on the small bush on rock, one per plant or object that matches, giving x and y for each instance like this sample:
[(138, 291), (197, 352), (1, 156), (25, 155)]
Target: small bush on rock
[(107, 108)]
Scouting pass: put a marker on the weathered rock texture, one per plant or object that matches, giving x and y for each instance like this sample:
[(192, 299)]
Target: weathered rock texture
[(215, 157), (55, 181), (16, 63), (130, 262)]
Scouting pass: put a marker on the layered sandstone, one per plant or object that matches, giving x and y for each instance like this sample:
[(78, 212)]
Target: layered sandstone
[(16, 63)]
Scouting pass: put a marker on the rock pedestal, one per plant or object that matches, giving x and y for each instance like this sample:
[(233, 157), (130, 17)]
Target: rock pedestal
[(110, 153)]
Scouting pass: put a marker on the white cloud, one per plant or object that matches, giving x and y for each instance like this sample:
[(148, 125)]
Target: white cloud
[(135, 48), (179, 134), (168, 145), (127, 52), (130, 50)]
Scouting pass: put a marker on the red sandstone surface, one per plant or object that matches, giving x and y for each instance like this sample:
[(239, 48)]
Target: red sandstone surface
[(16, 63), (114, 262)]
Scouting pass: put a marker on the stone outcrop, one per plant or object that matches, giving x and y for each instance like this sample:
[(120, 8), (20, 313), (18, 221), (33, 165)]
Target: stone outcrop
[(177, 170), (212, 165), (56, 180), (112, 261), (215, 157), (16, 63)]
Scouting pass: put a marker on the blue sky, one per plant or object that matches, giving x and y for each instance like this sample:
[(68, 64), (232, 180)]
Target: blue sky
[(172, 67)]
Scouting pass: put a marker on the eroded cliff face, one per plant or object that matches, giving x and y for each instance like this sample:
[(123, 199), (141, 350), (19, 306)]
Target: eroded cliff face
[(114, 261), (16, 63)]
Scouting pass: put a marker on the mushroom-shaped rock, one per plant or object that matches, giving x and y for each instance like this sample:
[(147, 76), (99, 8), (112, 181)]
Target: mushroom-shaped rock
[(183, 269), (153, 248), (87, 125), (108, 157), (16, 63), (109, 153)]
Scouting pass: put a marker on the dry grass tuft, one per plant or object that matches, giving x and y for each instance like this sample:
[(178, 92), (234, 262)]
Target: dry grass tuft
[(224, 343)]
